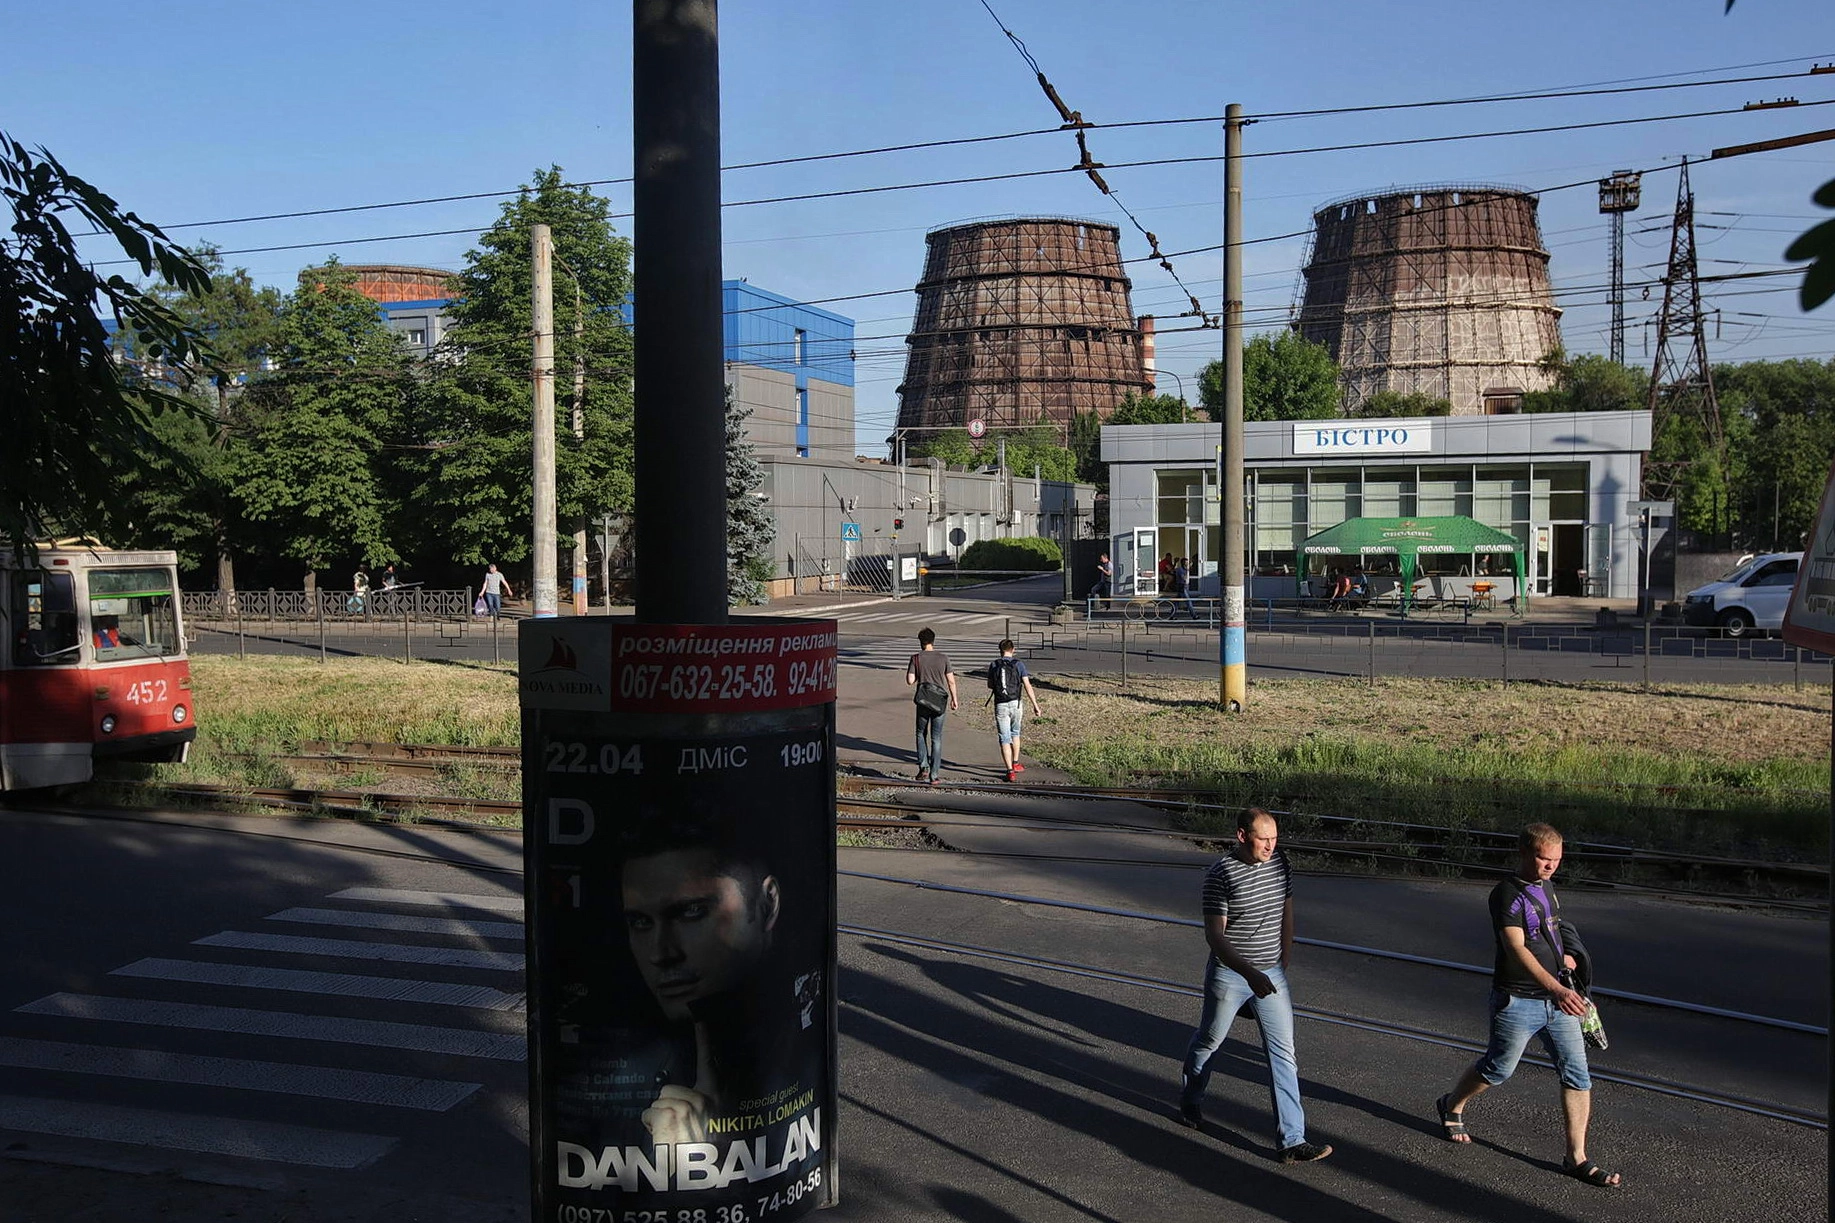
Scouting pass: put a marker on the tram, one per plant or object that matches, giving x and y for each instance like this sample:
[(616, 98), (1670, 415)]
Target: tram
[(92, 663)]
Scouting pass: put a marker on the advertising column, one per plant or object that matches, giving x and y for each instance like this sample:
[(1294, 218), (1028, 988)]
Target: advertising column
[(679, 846)]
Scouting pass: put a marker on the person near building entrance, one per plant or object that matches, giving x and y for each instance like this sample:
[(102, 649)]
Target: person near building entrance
[(1165, 576), (935, 683), (1530, 996), (1181, 584), (1011, 686), (1105, 578), (1248, 922), (494, 590)]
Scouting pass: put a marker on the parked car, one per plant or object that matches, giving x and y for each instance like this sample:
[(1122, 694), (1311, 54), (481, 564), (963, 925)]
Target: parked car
[(1751, 597)]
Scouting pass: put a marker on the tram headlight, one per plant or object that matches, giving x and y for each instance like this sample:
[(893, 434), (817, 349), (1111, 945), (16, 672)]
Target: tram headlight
[(108, 724), (178, 713)]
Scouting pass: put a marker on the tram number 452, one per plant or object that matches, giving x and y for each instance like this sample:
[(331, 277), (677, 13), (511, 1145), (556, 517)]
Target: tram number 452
[(582, 758), (146, 692)]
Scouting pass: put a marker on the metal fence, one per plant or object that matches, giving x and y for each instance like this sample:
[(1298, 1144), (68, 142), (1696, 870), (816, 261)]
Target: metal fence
[(405, 623), (1445, 640), (218, 607), (853, 568)]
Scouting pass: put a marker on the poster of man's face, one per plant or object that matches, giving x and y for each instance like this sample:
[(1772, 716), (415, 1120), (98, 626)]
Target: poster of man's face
[(700, 924)]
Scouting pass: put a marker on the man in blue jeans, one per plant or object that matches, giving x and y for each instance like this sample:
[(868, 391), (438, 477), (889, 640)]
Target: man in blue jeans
[(1248, 922), (1529, 998), (930, 668)]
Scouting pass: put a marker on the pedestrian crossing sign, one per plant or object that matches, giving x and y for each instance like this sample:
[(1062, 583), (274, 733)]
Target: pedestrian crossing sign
[(850, 531)]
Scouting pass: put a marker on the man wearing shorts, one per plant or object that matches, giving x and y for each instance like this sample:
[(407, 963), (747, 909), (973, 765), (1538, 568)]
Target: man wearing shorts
[(1009, 681), (1528, 998)]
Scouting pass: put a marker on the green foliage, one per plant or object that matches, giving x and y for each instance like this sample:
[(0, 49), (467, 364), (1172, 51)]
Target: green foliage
[(1589, 383), (76, 423), (1032, 450), (953, 446), (1386, 404), (471, 481), (750, 530), (1779, 417), (1284, 377), (1817, 245), (1086, 448), (316, 428), (1150, 410), (1040, 555)]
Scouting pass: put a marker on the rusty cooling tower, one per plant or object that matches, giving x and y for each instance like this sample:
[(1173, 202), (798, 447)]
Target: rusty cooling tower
[(1442, 290), (1020, 322)]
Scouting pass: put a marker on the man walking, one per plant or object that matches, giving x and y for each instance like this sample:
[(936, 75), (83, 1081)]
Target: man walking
[(1009, 680), (495, 587), (1248, 922), (929, 672), (1105, 579), (1529, 998)]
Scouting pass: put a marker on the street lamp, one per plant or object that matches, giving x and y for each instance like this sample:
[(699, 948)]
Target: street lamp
[(1184, 404)]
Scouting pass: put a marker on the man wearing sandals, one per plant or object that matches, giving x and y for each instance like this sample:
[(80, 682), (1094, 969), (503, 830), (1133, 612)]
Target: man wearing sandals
[(1528, 998)]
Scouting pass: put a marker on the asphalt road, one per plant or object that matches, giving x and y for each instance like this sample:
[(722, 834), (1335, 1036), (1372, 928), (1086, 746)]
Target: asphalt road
[(180, 1041)]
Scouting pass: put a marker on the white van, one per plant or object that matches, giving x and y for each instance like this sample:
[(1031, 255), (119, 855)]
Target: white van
[(1751, 597)]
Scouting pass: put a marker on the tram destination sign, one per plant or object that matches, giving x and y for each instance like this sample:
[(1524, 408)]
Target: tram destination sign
[(1809, 617)]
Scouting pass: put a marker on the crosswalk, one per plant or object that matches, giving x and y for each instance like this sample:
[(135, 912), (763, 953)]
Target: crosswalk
[(894, 653), (385, 1011), (878, 617)]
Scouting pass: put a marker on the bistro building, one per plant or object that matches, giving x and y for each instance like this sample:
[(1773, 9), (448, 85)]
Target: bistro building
[(1560, 483)]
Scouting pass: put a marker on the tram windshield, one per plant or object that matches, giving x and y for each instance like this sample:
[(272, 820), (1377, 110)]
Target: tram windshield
[(44, 629), (131, 613)]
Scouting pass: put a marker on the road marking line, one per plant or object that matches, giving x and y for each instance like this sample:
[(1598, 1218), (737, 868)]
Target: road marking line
[(425, 1038), (457, 926), (350, 985), (292, 1144), (450, 900), (359, 1086), (352, 949)]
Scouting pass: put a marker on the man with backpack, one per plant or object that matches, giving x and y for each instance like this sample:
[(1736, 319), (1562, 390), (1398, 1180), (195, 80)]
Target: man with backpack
[(1009, 682)]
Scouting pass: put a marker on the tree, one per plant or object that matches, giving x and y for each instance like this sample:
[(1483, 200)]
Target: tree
[(472, 481), (750, 531), (953, 446), (1780, 422), (1086, 447), (1388, 404), (1032, 450), (1589, 383), (314, 473), (1284, 377), (1150, 410), (76, 422), (193, 504)]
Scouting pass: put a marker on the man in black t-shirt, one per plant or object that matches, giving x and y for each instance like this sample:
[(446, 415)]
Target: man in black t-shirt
[(929, 670), (1529, 998)]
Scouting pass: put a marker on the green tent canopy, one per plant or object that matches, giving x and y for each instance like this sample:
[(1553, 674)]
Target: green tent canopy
[(1406, 538)]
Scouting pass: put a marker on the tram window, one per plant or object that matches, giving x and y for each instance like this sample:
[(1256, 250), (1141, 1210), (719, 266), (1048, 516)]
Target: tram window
[(45, 634), (130, 613)]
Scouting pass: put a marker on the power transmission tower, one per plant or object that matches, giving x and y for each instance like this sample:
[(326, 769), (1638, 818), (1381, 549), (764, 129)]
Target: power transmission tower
[(1681, 382), (1617, 196)]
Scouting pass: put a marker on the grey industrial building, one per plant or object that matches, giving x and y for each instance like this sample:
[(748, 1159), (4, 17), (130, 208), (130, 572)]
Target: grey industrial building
[(1559, 482), (841, 524)]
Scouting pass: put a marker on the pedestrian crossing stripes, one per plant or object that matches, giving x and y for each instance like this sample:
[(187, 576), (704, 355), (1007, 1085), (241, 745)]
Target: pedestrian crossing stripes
[(352, 949), (373, 1033), (921, 618), (459, 927), (273, 1006), (435, 993), (297, 1144), (356, 1086)]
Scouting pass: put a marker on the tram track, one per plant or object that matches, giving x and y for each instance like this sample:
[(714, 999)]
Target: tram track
[(1380, 846)]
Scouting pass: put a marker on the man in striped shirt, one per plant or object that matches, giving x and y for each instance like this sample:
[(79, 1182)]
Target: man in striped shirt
[(1248, 922)]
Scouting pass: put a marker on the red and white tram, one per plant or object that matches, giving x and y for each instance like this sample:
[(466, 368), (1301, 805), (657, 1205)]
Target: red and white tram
[(93, 663)]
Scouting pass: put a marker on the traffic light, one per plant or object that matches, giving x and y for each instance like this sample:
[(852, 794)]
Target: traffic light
[(898, 524)]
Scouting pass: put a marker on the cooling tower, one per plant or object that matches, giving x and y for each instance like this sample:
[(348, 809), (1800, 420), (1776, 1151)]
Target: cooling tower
[(1020, 322), (1442, 290)]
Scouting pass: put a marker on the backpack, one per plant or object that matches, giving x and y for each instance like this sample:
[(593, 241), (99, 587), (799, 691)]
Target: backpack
[(1003, 680)]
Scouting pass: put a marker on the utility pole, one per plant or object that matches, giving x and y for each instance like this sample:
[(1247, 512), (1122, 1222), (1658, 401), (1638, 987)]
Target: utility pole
[(1617, 196), (1234, 694), (541, 261), (580, 603)]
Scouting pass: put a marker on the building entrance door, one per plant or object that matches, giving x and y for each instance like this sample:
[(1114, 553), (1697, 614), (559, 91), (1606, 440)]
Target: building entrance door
[(1541, 537)]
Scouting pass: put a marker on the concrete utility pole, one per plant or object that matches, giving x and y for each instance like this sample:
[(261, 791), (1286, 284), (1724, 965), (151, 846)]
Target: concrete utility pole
[(1234, 694), (541, 266), (680, 345), (580, 603)]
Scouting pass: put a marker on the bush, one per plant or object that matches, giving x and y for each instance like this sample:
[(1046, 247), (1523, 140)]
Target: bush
[(1038, 555)]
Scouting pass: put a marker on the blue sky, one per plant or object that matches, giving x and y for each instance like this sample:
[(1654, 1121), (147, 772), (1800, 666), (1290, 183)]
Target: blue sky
[(189, 111)]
